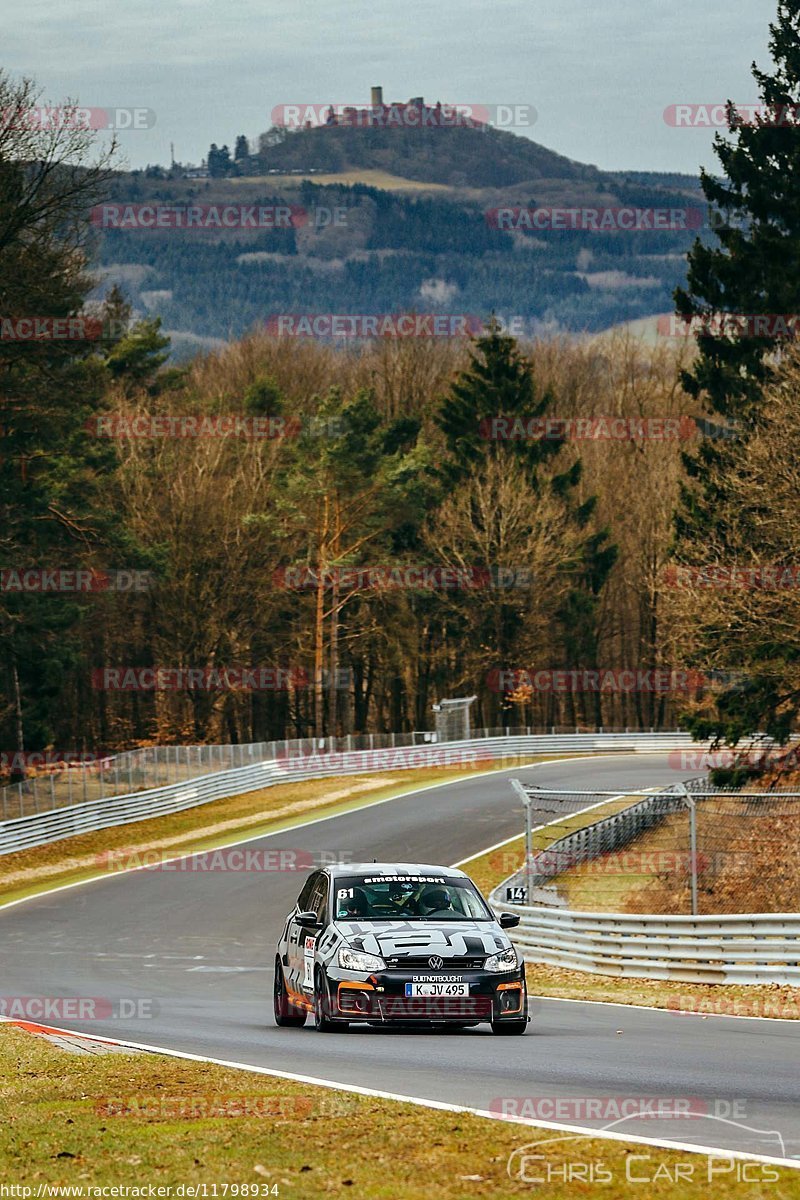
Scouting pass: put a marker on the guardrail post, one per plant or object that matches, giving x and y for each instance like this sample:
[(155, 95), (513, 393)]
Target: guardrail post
[(689, 801), (526, 800)]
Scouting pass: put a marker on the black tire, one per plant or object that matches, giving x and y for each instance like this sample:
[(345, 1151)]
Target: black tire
[(323, 1021), (286, 1015), (509, 1028)]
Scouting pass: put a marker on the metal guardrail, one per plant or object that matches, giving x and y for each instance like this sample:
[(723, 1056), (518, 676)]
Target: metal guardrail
[(35, 829), (61, 780), (730, 948), (602, 836), (755, 948)]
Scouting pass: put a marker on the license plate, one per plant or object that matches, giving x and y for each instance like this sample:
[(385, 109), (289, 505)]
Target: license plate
[(437, 989)]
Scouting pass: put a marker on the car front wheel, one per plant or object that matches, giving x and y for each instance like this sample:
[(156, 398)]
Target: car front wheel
[(510, 1028), (322, 1007), (285, 1012)]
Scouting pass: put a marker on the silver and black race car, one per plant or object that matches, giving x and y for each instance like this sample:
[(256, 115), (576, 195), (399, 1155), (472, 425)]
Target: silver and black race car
[(398, 943)]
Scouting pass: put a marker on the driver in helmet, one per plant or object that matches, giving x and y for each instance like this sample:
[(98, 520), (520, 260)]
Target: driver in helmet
[(438, 902)]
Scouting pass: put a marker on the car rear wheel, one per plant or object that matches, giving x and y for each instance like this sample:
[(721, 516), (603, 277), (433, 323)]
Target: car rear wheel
[(322, 1008), (285, 1012)]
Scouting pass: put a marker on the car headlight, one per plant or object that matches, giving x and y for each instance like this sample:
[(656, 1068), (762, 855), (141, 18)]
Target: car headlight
[(506, 960), (357, 960)]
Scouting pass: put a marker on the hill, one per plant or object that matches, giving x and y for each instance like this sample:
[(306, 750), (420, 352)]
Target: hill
[(454, 157), (415, 235)]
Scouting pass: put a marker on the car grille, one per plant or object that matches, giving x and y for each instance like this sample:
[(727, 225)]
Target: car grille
[(421, 962), (434, 1008)]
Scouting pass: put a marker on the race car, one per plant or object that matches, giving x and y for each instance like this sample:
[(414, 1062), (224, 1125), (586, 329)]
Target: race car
[(397, 943)]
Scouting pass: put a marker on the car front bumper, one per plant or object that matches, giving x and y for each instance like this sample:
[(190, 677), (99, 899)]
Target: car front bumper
[(381, 997)]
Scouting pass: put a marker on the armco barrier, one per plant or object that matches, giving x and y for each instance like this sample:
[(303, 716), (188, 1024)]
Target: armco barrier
[(749, 948), (737, 948), (604, 835), (22, 832)]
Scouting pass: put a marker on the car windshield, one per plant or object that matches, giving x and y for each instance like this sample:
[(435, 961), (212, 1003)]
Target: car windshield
[(408, 898)]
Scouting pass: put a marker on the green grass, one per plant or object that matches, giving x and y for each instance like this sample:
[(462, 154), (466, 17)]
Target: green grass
[(757, 1000), (213, 825), (493, 866), (139, 1120)]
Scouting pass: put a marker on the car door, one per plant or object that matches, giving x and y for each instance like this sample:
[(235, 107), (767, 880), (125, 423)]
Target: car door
[(295, 971), (310, 931)]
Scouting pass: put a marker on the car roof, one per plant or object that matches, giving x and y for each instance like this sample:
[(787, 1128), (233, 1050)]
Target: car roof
[(383, 868)]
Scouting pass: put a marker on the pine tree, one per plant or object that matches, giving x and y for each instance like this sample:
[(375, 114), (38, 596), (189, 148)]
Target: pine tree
[(57, 501), (754, 271), (496, 390)]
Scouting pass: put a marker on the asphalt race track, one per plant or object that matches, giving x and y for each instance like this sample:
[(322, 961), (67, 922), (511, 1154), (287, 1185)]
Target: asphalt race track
[(197, 949)]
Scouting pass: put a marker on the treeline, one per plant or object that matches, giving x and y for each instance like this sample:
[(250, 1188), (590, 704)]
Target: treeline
[(577, 532), (390, 253), (364, 542), (435, 560)]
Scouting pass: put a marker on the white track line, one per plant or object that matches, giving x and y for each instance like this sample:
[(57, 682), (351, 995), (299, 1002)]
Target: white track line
[(257, 837), (673, 1012), (425, 1103), (377, 1093), (680, 1012), (64, 887)]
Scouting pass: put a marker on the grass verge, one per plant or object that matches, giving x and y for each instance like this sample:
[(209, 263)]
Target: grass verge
[(744, 1000), (145, 1119), (213, 825)]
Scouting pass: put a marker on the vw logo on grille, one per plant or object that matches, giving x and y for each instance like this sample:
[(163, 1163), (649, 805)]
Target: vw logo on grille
[(436, 962)]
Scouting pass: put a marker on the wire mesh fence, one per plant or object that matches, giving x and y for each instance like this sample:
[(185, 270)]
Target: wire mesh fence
[(685, 850), (53, 782)]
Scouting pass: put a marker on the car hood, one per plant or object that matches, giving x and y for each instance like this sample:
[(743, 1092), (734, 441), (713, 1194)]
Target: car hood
[(448, 939)]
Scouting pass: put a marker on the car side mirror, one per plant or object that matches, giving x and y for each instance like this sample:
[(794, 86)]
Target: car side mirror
[(307, 918), (509, 920)]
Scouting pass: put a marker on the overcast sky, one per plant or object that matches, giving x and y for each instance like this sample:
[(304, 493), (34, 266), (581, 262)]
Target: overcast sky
[(599, 72)]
